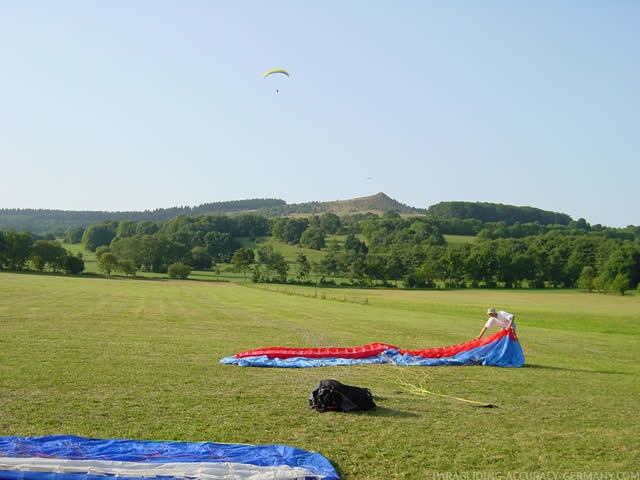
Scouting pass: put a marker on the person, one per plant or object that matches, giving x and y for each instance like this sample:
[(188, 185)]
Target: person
[(502, 319)]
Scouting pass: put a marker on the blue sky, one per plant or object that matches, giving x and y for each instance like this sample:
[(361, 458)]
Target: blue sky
[(133, 105)]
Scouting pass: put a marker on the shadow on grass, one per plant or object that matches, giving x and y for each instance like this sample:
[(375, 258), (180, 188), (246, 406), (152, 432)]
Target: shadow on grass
[(389, 412), (376, 412), (579, 370)]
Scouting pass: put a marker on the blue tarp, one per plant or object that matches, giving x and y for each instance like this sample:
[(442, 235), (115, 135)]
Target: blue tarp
[(63, 457)]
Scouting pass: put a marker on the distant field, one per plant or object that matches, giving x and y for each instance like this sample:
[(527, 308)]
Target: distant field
[(139, 358), (459, 239), (290, 252), (88, 257)]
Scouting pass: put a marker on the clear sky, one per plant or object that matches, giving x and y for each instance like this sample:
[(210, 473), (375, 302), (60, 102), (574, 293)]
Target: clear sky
[(134, 105)]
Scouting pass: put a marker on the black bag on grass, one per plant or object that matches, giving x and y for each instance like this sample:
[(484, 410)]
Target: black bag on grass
[(333, 396)]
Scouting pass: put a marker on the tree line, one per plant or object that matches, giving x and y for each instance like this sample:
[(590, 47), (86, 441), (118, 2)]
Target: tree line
[(42, 221), (497, 212), (22, 250), (58, 221), (377, 250)]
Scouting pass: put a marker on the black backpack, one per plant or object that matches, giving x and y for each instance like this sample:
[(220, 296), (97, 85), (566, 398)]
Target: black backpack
[(333, 396)]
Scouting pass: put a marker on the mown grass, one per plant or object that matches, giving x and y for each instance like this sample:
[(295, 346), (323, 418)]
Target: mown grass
[(139, 358), (291, 252), (459, 239)]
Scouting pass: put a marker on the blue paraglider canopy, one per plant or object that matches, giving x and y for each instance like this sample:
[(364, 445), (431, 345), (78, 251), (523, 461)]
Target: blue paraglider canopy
[(64, 457), (501, 349)]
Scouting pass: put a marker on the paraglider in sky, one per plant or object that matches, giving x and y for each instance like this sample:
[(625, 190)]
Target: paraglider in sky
[(274, 71), (277, 70)]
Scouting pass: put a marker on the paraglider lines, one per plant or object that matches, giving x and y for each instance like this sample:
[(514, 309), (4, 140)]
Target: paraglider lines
[(419, 389)]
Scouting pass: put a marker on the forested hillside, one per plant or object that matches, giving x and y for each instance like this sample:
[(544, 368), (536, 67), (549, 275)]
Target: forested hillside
[(496, 212), (383, 243), (358, 250), (41, 220)]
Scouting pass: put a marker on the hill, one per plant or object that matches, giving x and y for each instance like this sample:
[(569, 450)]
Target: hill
[(43, 220), (378, 204), (497, 212)]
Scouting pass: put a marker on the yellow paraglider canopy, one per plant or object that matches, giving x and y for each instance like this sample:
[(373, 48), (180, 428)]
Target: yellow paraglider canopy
[(277, 70)]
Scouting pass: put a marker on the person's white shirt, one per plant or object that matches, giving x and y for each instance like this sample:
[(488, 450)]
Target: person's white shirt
[(501, 320)]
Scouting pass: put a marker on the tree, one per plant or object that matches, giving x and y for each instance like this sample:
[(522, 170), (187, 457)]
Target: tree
[(200, 258), (582, 255), (107, 263), (126, 228), (48, 252), (265, 254), (280, 268), (274, 263), (312, 238), (101, 250), (146, 227), (250, 225), (73, 264), (395, 268), (289, 230), (242, 260), (357, 270), (375, 267), (177, 252), (74, 235), (451, 265), (179, 270), (154, 253), (18, 247), (128, 267), (352, 244), (619, 284), (330, 223), (328, 265), (482, 264), (304, 267), (220, 246), (619, 267), (598, 284), (128, 249), (99, 234), (3, 249), (421, 277), (585, 280)]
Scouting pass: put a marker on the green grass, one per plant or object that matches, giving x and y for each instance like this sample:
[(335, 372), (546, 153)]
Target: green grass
[(290, 252), (90, 264), (139, 358), (459, 239)]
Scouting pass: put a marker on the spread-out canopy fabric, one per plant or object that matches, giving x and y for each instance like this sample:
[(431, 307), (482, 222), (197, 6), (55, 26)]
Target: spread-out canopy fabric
[(501, 349), (277, 70), (64, 457)]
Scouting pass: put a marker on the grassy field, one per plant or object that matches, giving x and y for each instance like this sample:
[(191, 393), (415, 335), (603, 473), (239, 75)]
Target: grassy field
[(459, 239), (290, 253), (139, 358)]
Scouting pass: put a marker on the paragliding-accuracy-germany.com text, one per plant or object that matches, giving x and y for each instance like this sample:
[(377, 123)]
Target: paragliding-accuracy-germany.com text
[(535, 475)]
